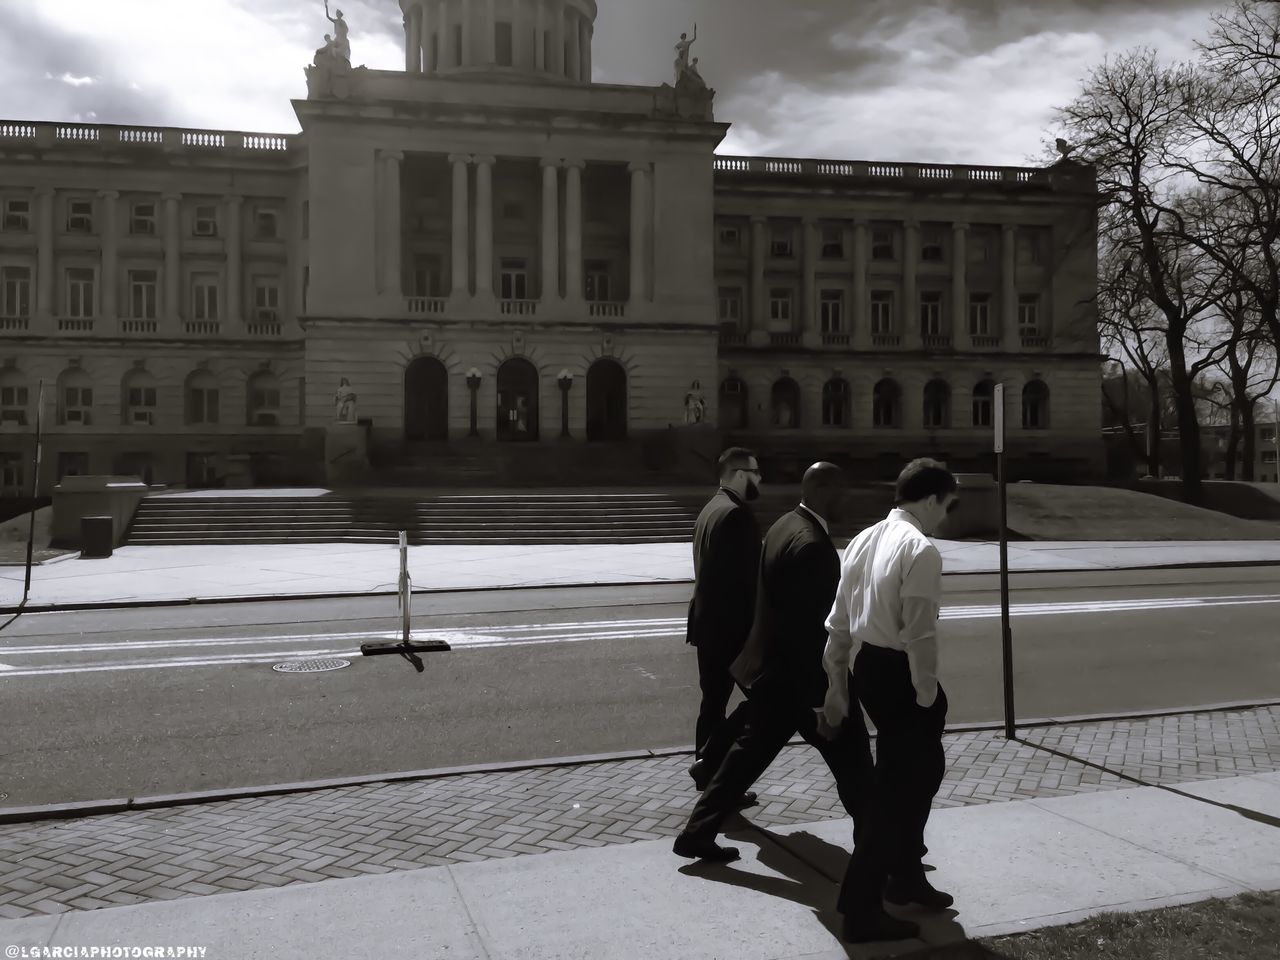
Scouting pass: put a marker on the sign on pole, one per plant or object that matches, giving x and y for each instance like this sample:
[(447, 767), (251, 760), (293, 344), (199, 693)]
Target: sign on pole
[(998, 417)]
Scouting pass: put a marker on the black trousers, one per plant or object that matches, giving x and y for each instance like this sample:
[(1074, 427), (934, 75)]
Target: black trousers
[(910, 764), (716, 684), (768, 722)]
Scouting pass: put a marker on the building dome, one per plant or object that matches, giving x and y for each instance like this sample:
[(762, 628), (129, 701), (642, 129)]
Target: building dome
[(546, 39)]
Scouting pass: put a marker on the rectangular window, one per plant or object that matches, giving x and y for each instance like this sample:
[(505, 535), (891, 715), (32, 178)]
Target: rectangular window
[(13, 405), (502, 43), (1268, 456), (882, 312), (426, 277), (931, 249), (12, 482), (730, 309), (780, 304), (457, 44), (202, 405), (1030, 246), (977, 247), (80, 301), (140, 405), (515, 279), (780, 242), (980, 315), (204, 297), (930, 313), (730, 239), (266, 299), (80, 216), (832, 242), (831, 310), (1268, 435), (266, 223), (206, 222), (17, 214), (77, 405), (1029, 314), (143, 294), (15, 291), (882, 243), (142, 219), (596, 279)]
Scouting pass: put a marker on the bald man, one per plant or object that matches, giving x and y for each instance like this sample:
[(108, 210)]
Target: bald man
[(780, 669)]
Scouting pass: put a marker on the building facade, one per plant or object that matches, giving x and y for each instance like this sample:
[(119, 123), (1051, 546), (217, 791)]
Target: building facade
[(488, 252)]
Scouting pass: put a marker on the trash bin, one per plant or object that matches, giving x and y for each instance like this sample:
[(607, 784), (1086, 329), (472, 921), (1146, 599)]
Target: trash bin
[(96, 537)]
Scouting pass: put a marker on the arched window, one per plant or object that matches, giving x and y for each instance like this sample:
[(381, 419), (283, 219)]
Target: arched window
[(1035, 406), (15, 397), (75, 397), (937, 405), (886, 404), (263, 400), (138, 399), (835, 403), (785, 403), (733, 404), (984, 392), (201, 398)]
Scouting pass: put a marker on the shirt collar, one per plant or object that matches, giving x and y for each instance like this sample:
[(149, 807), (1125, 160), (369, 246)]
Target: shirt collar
[(897, 513), (732, 496), (809, 510)]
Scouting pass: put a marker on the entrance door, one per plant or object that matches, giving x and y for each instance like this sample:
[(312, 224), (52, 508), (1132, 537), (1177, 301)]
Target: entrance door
[(517, 400), (426, 400), (606, 401)]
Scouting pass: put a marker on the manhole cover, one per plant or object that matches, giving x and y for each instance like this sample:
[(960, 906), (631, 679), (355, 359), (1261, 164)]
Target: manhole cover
[(311, 666)]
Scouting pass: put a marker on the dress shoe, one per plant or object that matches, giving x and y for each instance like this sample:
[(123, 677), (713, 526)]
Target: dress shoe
[(920, 892), (877, 927), (702, 773), (687, 845), (748, 799)]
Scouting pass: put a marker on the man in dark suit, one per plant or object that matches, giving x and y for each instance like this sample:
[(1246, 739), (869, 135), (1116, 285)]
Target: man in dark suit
[(726, 553), (781, 669)]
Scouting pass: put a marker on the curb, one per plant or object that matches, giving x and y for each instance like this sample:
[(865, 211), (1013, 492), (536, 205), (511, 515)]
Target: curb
[(92, 808), (426, 591)]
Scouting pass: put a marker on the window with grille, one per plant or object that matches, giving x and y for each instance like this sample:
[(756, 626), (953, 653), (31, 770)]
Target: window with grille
[(80, 303), (882, 312), (13, 404), (1035, 406), (266, 299), (780, 242), (1030, 246), (143, 294), (882, 243), (77, 404), (980, 314), (204, 297), (983, 403), (426, 277), (266, 223), (780, 304), (1029, 314), (514, 280), (931, 313), (931, 248), (202, 399), (835, 403), (17, 214), (886, 404), (12, 479), (142, 219), (140, 405), (832, 242), (264, 403), (80, 216), (937, 405), (596, 280), (15, 291), (730, 239), (730, 309), (978, 247), (206, 221), (831, 311)]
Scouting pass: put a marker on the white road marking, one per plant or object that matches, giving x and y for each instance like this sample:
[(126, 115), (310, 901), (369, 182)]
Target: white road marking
[(510, 635)]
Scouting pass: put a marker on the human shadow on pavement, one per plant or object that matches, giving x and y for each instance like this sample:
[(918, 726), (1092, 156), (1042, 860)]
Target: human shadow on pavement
[(1257, 816), (797, 856)]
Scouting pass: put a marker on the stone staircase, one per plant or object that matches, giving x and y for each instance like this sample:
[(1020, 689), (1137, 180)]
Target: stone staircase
[(453, 518)]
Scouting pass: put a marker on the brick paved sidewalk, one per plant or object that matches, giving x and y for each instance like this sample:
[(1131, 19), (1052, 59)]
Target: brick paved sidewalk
[(53, 867)]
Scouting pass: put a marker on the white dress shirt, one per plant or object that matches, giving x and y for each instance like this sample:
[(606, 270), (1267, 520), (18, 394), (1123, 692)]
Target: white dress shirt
[(889, 594)]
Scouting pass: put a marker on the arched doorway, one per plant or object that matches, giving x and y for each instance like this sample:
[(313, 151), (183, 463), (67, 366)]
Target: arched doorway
[(426, 400), (606, 401), (517, 400)]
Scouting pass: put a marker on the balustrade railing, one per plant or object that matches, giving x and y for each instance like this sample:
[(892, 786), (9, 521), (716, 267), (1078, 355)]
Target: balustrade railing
[(835, 339), (878, 170), (784, 339), (936, 340), (75, 324), (425, 306), (202, 328), (886, 339), (264, 328), (519, 308), (132, 326), (1034, 341), (165, 138), (985, 342), (733, 338), (14, 324), (607, 308)]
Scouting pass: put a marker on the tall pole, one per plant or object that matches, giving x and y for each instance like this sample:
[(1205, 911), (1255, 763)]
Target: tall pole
[(1275, 433), (1006, 634), (35, 491)]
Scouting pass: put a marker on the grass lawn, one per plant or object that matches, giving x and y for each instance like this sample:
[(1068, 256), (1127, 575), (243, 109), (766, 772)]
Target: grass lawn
[(1241, 928)]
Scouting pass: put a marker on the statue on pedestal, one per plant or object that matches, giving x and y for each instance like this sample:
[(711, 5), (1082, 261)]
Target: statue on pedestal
[(682, 52), (344, 402), (690, 97), (330, 72), (695, 404), (341, 43)]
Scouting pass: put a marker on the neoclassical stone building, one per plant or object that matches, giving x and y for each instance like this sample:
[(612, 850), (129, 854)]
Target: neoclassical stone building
[(496, 255)]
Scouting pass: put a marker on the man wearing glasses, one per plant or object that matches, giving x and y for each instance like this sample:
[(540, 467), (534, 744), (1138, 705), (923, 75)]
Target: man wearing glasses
[(887, 606)]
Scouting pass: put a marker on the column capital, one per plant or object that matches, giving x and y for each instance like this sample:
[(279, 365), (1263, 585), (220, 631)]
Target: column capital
[(639, 166), (109, 194), (171, 197), (758, 219), (484, 160), (1008, 228), (911, 224), (456, 158), (959, 226), (549, 162), (862, 221), (396, 155), (44, 191), (809, 219), (233, 200), (571, 163)]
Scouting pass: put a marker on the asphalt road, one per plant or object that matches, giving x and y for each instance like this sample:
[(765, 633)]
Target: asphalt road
[(111, 704)]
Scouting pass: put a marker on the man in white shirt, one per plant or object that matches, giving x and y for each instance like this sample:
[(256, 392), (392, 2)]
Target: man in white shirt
[(886, 606)]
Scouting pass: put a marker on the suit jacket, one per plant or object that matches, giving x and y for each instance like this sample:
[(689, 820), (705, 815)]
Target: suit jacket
[(726, 553), (799, 573)]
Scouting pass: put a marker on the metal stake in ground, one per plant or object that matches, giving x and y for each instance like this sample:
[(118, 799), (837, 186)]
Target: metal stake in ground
[(1006, 634), (406, 647)]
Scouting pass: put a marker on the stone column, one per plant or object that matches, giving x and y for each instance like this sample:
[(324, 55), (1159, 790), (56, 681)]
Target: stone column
[(810, 332), (444, 37), (573, 230), (296, 305), (539, 45), (861, 296), (640, 232), (1009, 289), (586, 49), (911, 337), (573, 37), (110, 253), (235, 293), (490, 45), (172, 258), (461, 213), (484, 227), (467, 25), (392, 279), (44, 252), (959, 287), (413, 40), (557, 37), (758, 332), (550, 230)]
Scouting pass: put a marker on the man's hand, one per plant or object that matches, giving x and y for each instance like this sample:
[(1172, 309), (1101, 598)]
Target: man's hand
[(826, 730), (927, 699)]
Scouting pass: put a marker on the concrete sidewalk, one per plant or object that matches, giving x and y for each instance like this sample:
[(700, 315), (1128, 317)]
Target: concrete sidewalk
[(1013, 867), (140, 574)]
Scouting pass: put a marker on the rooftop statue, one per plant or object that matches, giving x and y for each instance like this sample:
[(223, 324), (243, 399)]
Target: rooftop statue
[(331, 72), (1064, 148), (341, 43), (682, 52)]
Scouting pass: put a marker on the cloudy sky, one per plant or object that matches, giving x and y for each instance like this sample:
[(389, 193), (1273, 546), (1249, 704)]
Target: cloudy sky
[(929, 80)]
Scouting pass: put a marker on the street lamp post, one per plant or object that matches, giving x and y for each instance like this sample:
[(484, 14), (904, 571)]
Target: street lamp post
[(565, 379), (473, 384), (1275, 433)]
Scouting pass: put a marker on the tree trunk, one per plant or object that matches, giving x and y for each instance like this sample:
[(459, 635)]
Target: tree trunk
[(1153, 431), (1233, 444), (1188, 423), (1250, 436)]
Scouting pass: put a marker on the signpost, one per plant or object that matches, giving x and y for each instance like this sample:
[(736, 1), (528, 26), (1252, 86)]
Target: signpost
[(406, 648), (35, 492), (1006, 635)]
